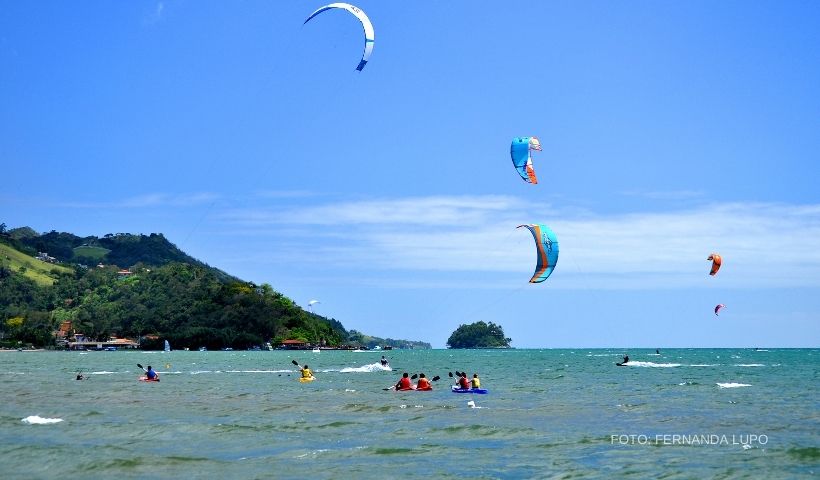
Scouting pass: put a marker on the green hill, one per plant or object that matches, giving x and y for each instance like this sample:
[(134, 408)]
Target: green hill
[(87, 251), (43, 273), (164, 295)]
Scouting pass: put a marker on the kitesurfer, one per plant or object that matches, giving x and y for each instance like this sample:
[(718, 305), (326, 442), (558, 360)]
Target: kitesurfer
[(384, 361), (476, 382), (626, 358), (404, 383), (150, 374), (306, 373), (423, 383)]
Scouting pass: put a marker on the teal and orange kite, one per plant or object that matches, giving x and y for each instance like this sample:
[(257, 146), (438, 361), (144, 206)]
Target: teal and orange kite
[(546, 244)]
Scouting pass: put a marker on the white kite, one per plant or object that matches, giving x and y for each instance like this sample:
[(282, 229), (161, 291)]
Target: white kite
[(369, 34)]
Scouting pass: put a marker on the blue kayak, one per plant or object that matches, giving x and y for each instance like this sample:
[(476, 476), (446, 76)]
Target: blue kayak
[(469, 390)]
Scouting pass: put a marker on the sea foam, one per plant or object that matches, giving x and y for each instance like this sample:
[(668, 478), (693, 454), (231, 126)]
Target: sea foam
[(38, 420), (732, 385), (651, 364), (373, 367)]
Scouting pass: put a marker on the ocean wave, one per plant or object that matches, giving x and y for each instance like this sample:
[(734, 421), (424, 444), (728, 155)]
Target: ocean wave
[(704, 365), (732, 385), (102, 372), (651, 364), (373, 367), (38, 420), (749, 365), (258, 371)]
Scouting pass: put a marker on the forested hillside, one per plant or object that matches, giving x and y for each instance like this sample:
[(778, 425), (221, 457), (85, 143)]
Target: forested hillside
[(163, 295)]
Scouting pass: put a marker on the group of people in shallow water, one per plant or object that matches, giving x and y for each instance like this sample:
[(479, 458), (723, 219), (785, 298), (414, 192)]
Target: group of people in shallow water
[(463, 382), (423, 383)]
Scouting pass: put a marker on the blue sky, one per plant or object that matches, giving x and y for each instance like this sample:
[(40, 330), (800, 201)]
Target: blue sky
[(670, 130)]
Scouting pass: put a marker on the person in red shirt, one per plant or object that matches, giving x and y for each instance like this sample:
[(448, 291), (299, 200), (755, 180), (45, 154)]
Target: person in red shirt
[(423, 383), (463, 382), (404, 382)]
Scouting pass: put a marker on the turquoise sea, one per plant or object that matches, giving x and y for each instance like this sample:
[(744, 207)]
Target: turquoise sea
[(686, 413)]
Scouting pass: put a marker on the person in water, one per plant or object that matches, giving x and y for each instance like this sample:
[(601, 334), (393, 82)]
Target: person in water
[(462, 381), (150, 374), (404, 382), (306, 373), (423, 383), (476, 383), (384, 361), (79, 376), (626, 358)]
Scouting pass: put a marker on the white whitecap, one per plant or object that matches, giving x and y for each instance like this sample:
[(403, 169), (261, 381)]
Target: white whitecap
[(373, 367), (102, 372), (635, 363), (733, 385), (749, 365), (38, 420), (257, 371)]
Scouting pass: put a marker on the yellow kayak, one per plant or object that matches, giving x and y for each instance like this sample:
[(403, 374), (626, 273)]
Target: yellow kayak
[(307, 379)]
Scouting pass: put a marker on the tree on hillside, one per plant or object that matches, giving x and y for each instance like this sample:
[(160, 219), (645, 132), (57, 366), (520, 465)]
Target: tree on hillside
[(478, 335)]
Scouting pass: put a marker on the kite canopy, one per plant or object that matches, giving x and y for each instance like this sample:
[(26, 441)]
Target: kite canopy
[(718, 307), (546, 244), (716, 261), (521, 154), (369, 34)]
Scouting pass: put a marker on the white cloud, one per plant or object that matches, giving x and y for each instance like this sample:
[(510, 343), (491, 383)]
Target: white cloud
[(666, 195), (763, 245), (149, 200)]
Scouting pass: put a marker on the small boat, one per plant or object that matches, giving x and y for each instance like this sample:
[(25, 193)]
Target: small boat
[(316, 350), (203, 349), (306, 379), (480, 391)]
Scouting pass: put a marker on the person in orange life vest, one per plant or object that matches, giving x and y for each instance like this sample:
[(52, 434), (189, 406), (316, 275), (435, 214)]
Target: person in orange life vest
[(462, 381), (404, 383), (423, 383)]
